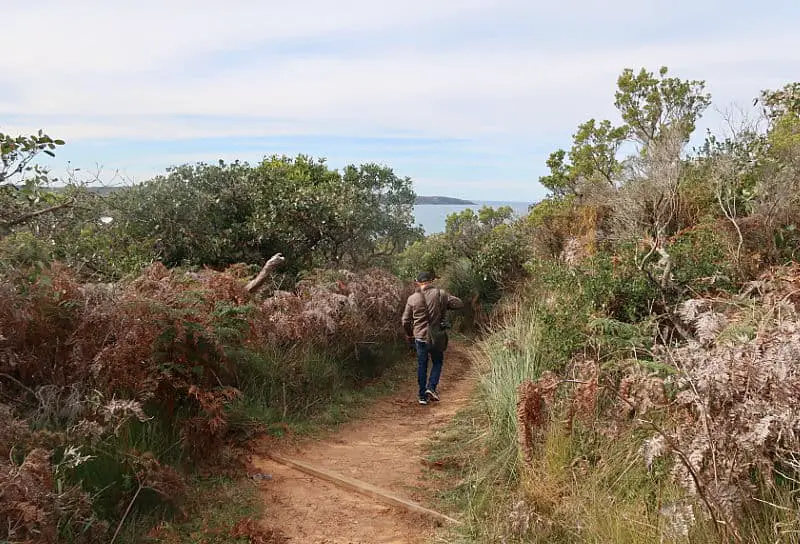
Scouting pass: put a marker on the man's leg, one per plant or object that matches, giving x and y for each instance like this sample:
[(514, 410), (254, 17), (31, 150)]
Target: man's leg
[(422, 367), (437, 357)]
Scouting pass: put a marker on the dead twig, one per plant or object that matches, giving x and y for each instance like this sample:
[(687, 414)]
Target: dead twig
[(127, 511)]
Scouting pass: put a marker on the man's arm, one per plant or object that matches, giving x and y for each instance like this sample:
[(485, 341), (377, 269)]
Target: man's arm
[(408, 320), (454, 303)]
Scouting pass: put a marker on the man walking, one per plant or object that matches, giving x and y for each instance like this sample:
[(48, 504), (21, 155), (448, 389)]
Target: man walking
[(422, 318)]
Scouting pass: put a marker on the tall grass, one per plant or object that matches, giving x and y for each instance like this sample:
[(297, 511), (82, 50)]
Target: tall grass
[(579, 487), (297, 384), (587, 480), (524, 342), (582, 488), (512, 354)]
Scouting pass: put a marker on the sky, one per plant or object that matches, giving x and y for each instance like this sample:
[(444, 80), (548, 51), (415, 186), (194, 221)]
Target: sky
[(466, 97)]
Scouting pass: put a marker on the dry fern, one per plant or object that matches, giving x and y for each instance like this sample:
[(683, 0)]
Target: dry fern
[(533, 399)]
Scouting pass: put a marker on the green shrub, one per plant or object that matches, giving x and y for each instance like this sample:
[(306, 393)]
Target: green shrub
[(221, 214), (432, 254), (502, 255), (24, 250), (703, 258), (476, 289), (617, 287)]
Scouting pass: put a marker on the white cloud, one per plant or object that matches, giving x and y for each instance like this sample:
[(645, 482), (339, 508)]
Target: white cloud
[(107, 38), (91, 37), (445, 94)]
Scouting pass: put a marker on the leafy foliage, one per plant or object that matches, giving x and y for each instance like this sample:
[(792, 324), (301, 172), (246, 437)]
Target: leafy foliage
[(639, 389), (221, 214), (26, 200), (655, 105), (18, 152), (479, 256), (592, 158)]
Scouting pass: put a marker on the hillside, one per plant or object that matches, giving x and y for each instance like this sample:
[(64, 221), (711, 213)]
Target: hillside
[(442, 200)]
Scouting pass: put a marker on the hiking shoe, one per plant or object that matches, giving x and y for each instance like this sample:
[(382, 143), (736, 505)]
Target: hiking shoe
[(423, 400), (431, 394)]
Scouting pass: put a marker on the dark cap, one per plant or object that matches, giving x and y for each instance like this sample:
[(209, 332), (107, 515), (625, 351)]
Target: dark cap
[(424, 277)]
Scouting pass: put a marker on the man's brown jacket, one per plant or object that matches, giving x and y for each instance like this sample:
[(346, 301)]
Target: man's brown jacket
[(437, 301)]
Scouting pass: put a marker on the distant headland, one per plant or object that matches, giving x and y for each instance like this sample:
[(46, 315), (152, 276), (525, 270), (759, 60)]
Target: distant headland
[(442, 200)]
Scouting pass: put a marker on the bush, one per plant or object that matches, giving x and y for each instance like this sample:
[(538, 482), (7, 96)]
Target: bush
[(476, 289), (432, 254), (479, 257), (502, 256), (704, 257), (120, 386), (566, 228), (216, 215), (617, 287)]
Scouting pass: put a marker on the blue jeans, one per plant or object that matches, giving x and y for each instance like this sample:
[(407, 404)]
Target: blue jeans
[(437, 358)]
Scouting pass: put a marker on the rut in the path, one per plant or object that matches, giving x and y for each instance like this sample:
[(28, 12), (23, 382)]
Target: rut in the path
[(385, 448)]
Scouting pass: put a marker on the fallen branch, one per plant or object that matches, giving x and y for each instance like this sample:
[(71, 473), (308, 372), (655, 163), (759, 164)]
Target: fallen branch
[(19, 383), (28, 216), (363, 488), (274, 262)]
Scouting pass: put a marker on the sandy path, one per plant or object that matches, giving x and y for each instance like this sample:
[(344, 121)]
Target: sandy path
[(384, 448)]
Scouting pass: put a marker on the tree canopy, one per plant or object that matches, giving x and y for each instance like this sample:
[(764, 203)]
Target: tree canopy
[(217, 214), (651, 106)]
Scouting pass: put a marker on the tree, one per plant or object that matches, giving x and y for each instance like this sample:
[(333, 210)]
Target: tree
[(781, 103), (592, 158), (385, 214), (464, 232), (654, 105), (494, 217), (316, 216), (778, 188), (191, 215), (652, 108), (561, 180), (24, 196), (18, 152), (486, 239), (594, 151), (351, 218), (662, 113), (467, 231)]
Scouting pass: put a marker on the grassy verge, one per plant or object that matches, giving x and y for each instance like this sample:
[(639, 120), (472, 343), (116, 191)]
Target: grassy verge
[(580, 486), (599, 470), (339, 392), (217, 510)]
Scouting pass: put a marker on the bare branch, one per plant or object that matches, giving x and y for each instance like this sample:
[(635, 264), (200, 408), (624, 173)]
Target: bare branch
[(274, 262), (32, 215)]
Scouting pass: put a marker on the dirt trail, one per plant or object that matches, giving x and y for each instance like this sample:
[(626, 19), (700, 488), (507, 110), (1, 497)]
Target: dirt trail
[(385, 449)]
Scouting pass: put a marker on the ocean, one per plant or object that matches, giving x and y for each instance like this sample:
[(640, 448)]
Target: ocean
[(432, 216)]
